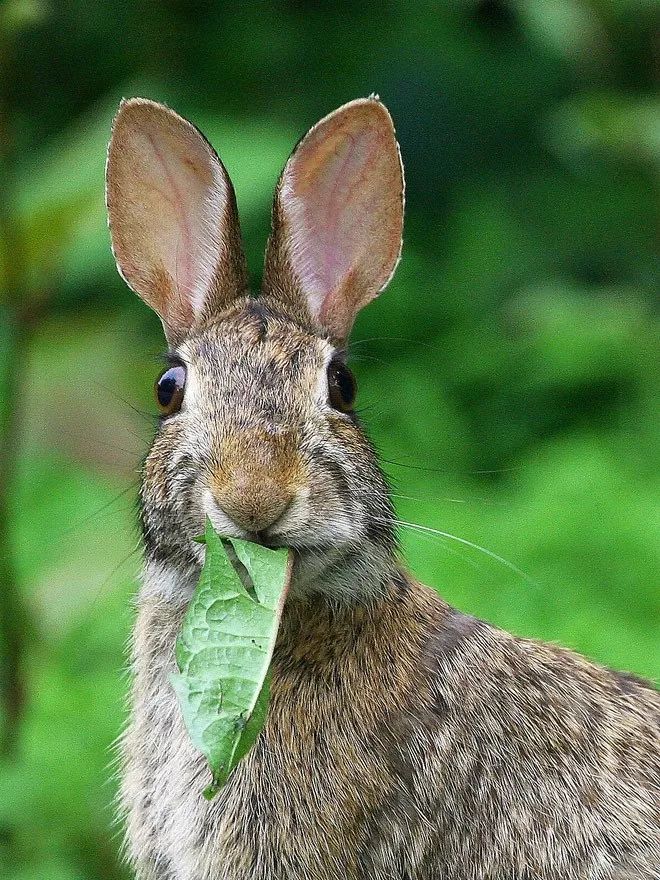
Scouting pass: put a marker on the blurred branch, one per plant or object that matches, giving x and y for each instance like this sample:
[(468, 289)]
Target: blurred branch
[(13, 616), (18, 321)]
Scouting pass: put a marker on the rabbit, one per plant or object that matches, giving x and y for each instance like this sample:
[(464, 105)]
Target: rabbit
[(404, 740)]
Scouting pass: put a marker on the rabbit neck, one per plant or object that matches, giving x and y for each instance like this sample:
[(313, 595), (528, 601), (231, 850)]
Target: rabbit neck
[(315, 627), (322, 632)]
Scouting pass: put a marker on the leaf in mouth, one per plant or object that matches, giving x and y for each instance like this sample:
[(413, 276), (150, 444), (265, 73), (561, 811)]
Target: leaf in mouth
[(224, 649)]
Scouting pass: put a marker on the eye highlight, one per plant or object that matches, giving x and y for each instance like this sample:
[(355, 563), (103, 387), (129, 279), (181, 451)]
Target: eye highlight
[(342, 387), (169, 389)]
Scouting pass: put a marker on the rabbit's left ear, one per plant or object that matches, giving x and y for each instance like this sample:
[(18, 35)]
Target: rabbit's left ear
[(338, 217)]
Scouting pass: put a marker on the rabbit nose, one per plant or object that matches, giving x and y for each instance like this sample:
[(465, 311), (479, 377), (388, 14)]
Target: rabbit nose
[(253, 501)]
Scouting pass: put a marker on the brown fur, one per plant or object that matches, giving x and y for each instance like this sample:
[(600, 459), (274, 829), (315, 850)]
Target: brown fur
[(405, 740), (257, 477)]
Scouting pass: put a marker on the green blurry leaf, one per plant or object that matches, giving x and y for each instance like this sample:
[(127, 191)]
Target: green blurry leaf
[(570, 27), (613, 125), (224, 650), (54, 869), (18, 15)]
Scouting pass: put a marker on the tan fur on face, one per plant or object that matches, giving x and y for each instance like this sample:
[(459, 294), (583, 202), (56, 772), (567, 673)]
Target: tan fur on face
[(257, 477)]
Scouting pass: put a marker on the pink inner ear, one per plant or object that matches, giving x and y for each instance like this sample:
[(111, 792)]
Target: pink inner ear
[(341, 195), (176, 239), (185, 197), (167, 204), (333, 208)]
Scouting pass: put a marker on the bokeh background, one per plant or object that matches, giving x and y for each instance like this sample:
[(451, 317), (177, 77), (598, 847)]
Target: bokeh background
[(508, 374)]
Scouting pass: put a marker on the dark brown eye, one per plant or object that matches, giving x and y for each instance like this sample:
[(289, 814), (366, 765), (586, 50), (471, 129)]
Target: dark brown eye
[(169, 389), (342, 386)]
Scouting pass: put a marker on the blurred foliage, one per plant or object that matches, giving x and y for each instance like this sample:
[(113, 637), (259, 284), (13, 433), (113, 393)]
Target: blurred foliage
[(508, 375)]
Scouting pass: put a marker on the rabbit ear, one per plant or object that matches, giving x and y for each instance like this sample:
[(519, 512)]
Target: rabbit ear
[(338, 217), (172, 216)]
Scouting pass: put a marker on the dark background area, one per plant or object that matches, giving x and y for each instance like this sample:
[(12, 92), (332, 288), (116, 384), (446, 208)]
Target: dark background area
[(508, 374)]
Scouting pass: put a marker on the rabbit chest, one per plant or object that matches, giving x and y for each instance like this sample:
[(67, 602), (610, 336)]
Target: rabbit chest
[(403, 742), (323, 793)]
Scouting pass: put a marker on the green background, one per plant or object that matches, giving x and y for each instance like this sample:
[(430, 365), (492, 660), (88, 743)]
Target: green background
[(508, 374)]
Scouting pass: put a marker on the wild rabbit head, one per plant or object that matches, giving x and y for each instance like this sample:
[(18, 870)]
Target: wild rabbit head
[(258, 429)]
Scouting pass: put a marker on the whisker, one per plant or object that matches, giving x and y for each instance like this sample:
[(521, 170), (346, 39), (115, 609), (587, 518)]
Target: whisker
[(147, 416), (414, 342), (450, 471), (439, 498), (452, 550), (115, 447), (99, 510), (464, 541), (99, 591), (429, 532), (367, 357), (431, 498)]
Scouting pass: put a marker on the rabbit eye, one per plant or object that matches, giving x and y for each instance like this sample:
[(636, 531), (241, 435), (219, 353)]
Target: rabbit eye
[(342, 386), (169, 389)]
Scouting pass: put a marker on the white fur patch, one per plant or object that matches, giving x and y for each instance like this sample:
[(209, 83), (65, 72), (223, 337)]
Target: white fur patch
[(163, 581)]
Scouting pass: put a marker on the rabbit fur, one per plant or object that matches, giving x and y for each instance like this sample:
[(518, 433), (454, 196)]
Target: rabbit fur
[(404, 740)]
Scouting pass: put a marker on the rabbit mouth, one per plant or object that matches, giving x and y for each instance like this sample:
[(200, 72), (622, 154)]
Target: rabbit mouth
[(268, 534), (224, 524), (294, 527)]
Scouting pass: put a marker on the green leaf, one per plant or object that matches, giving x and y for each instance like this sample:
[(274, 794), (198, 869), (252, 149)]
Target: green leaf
[(225, 646)]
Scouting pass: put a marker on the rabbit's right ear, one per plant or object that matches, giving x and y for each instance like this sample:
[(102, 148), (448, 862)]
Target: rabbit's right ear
[(172, 217)]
